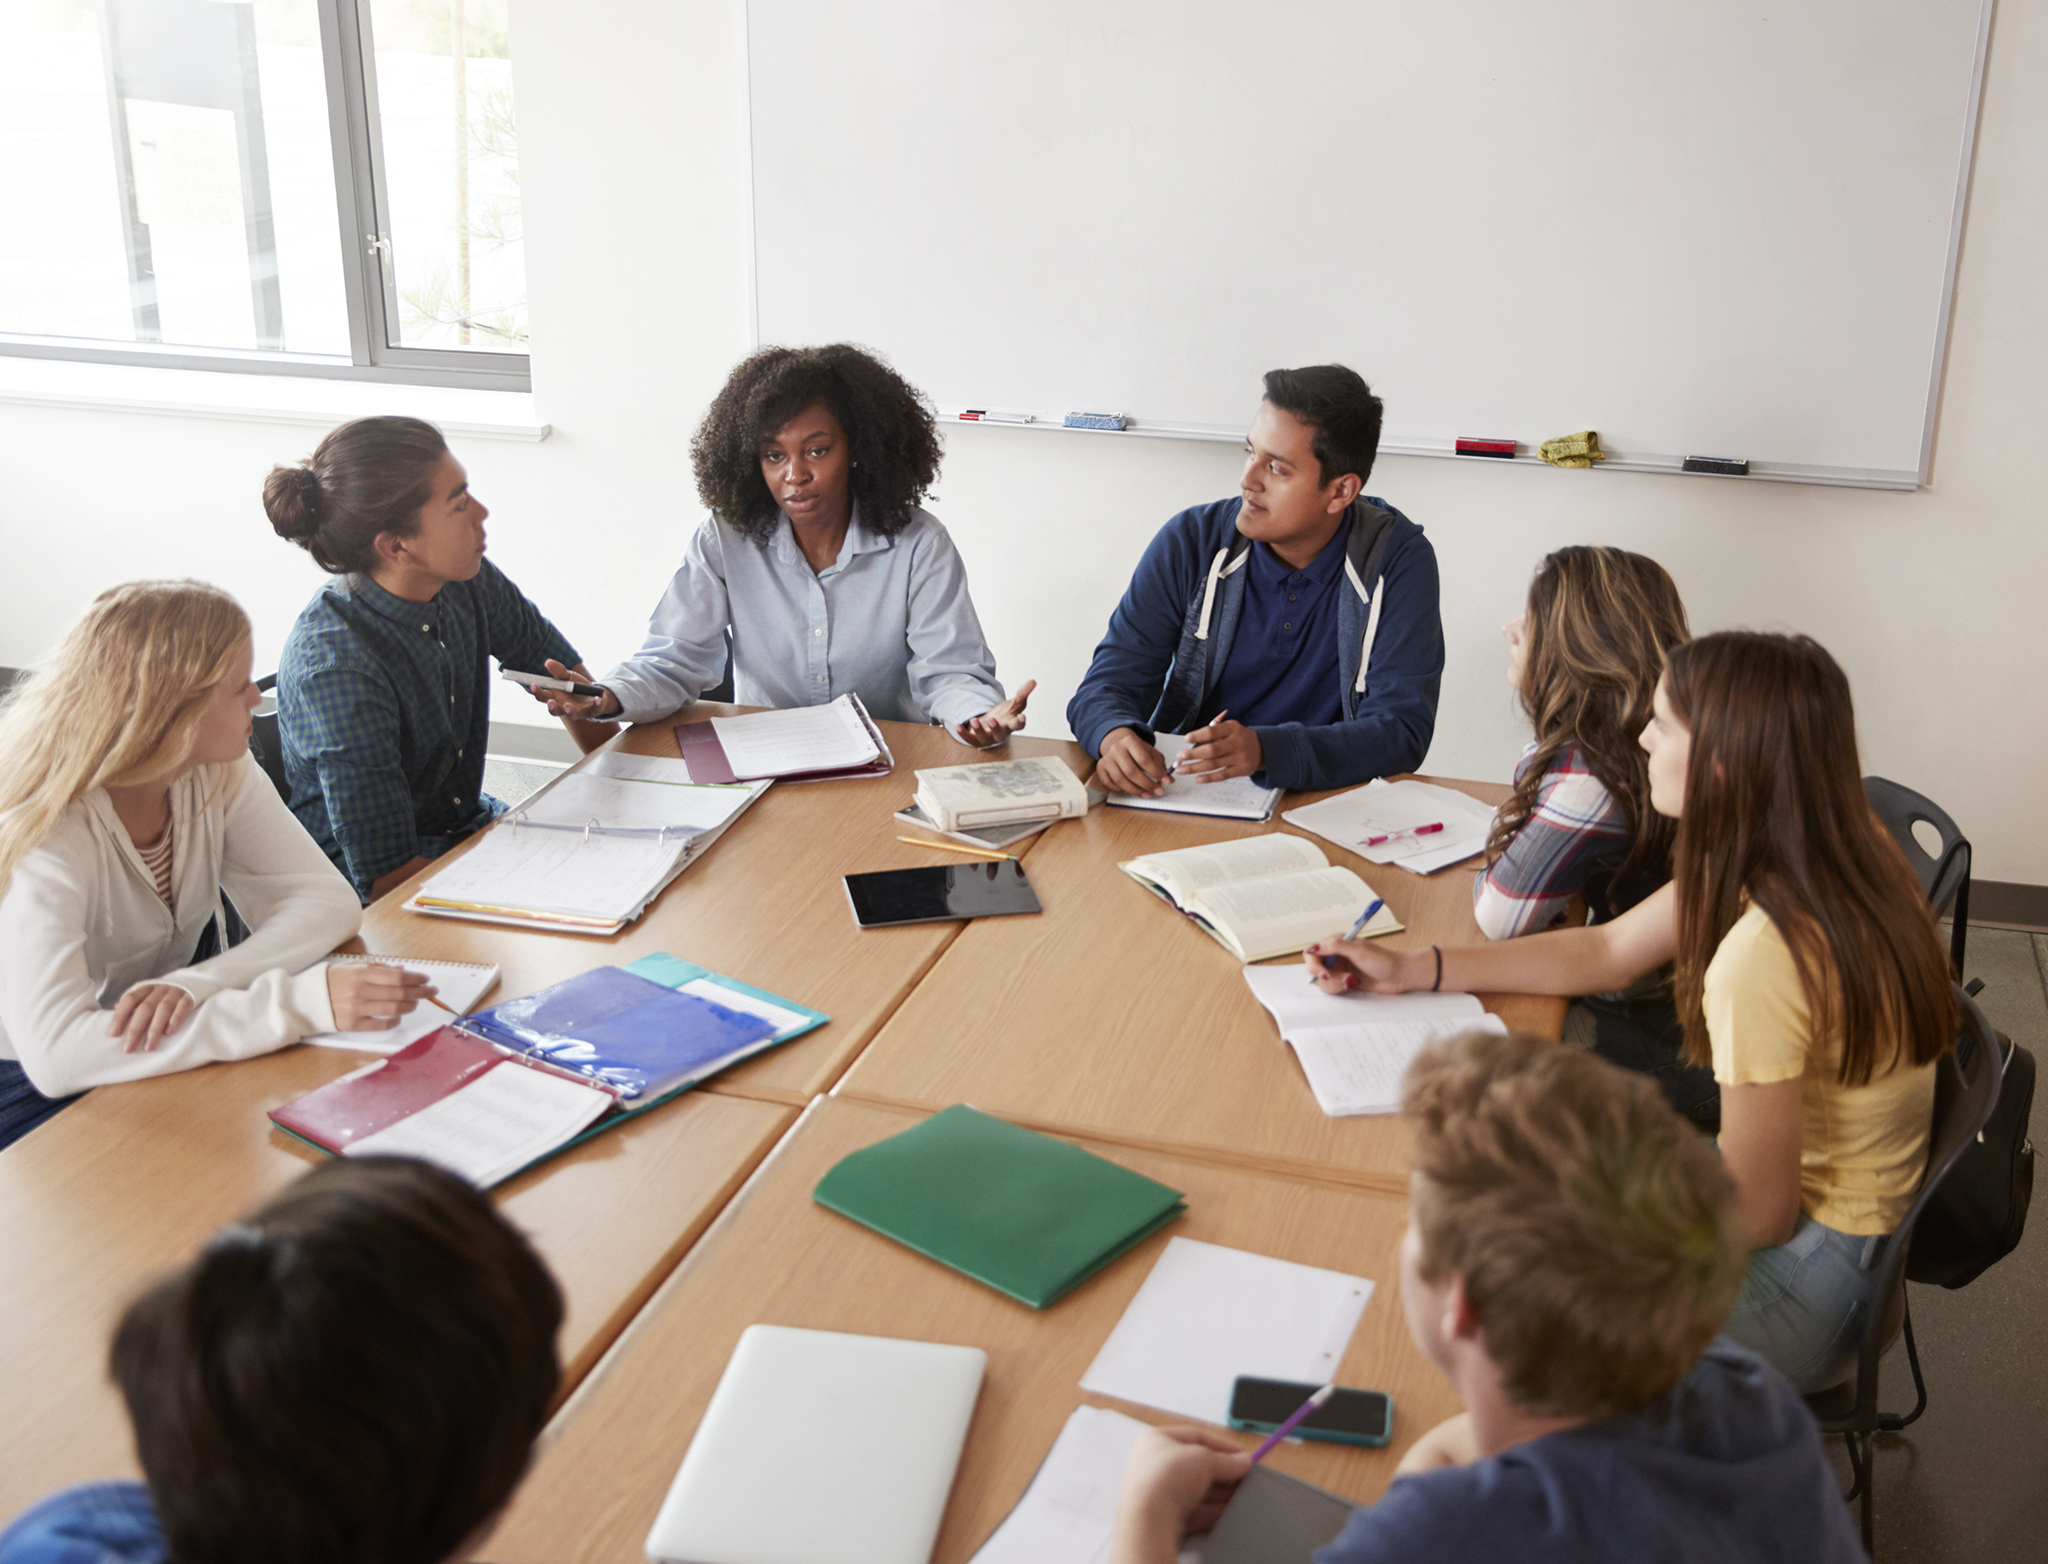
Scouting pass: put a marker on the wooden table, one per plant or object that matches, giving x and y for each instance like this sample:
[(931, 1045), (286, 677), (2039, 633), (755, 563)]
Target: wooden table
[(776, 1257), (1109, 1016), (127, 1184), (764, 905)]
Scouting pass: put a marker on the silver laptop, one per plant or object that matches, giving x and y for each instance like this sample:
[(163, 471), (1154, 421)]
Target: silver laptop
[(822, 1448)]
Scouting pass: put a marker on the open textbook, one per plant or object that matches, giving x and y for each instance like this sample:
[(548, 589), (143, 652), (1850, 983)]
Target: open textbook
[(1261, 895), (1356, 1048)]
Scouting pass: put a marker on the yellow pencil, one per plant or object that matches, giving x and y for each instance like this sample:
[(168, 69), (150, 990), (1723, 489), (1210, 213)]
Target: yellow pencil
[(960, 847)]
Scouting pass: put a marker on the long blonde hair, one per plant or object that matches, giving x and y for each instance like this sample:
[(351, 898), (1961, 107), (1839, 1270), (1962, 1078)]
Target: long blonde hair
[(117, 704)]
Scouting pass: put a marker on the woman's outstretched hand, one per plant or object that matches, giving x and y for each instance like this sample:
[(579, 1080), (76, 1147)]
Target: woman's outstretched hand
[(995, 725)]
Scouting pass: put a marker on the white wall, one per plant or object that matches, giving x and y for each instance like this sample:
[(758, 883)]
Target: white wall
[(633, 163)]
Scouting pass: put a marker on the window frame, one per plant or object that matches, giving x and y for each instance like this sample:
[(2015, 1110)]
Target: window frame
[(369, 281)]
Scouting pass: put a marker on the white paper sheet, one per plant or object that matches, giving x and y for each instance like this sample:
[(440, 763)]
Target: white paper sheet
[(1296, 1004), (1350, 818), (618, 803), (1068, 1513), (457, 985), (492, 1127), (1239, 798), (1207, 1314), (1355, 1049), (1360, 1071), (802, 738)]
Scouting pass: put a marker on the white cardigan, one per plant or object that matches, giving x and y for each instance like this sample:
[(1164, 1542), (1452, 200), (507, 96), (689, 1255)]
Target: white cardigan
[(81, 922)]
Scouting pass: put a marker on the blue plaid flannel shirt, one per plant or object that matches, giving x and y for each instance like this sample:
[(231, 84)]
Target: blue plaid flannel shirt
[(1574, 840), (384, 709)]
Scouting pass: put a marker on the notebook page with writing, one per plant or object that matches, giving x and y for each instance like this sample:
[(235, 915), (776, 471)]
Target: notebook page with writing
[(1298, 1005), (1360, 1071), (1236, 798), (556, 872), (492, 1127), (1354, 1048), (1207, 1314), (804, 738), (457, 984), (1068, 1512)]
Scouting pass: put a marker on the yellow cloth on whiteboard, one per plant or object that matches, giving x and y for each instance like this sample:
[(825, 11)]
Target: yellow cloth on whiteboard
[(1573, 450)]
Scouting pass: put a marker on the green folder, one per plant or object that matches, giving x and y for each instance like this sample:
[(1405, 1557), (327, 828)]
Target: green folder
[(1029, 1215)]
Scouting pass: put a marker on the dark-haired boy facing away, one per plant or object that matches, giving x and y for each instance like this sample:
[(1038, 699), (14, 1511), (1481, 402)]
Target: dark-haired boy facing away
[(1568, 1261), (1304, 608), (358, 1371)]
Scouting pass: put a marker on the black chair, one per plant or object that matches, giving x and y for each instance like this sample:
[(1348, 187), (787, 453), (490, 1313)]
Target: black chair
[(264, 741), (1966, 1090), (722, 690), (1944, 876)]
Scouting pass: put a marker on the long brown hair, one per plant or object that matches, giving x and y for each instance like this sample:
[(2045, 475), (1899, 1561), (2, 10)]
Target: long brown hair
[(1601, 621), (1775, 814)]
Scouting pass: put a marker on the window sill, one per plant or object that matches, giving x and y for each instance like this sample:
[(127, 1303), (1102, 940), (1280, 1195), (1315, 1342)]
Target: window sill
[(271, 399)]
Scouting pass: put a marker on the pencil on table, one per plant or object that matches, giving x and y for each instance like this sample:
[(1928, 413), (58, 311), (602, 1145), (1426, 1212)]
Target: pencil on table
[(960, 847)]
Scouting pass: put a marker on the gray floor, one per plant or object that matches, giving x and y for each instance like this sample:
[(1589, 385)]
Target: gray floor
[(1969, 1481), (510, 780)]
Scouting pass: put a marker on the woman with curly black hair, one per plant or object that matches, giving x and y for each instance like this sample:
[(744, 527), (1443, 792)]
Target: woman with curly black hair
[(818, 560)]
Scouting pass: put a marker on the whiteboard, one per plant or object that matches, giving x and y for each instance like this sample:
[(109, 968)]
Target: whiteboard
[(1720, 229)]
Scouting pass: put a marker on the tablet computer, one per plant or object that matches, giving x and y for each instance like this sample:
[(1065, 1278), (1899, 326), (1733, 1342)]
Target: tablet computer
[(940, 893)]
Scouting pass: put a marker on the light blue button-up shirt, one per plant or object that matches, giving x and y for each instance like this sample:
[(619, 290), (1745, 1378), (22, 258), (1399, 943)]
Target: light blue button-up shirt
[(890, 620)]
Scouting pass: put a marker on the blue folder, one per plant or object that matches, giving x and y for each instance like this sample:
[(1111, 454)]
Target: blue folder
[(639, 1038)]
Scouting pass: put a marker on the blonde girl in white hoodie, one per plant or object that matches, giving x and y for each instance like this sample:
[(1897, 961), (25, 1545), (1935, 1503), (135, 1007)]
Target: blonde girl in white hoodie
[(128, 804)]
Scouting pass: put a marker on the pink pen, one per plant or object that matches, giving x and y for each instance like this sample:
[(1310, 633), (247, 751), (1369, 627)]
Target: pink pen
[(1300, 1416), (1416, 830)]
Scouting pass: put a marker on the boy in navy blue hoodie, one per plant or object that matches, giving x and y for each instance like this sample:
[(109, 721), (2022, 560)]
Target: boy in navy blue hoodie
[(1292, 632)]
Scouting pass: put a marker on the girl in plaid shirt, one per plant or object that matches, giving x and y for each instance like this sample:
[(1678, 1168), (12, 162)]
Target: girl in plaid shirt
[(1584, 656)]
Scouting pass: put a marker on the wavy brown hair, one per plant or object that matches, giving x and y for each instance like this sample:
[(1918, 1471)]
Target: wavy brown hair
[(1601, 622), (888, 422), (1775, 814), (1589, 1223)]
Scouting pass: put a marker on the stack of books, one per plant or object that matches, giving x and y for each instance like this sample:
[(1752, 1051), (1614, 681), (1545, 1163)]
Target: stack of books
[(999, 793)]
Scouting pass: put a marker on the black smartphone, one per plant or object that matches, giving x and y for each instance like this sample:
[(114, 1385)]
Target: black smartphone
[(1349, 1417)]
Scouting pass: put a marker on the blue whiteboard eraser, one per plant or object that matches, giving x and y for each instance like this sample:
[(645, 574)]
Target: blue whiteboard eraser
[(1096, 421)]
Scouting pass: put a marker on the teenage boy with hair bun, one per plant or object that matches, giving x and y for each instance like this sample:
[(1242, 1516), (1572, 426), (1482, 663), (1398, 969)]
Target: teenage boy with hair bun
[(357, 1372), (1568, 1261)]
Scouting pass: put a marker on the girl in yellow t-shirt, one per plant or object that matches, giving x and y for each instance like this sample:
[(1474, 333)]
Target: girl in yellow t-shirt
[(1809, 975)]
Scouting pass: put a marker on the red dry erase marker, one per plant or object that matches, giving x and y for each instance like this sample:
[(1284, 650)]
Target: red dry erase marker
[(1394, 836), (973, 413), (1476, 445)]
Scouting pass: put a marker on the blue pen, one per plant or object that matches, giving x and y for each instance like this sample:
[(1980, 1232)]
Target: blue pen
[(1365, 917)]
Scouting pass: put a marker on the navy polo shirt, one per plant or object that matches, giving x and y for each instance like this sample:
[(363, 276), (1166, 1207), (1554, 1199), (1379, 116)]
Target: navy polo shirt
[(1283, 659)]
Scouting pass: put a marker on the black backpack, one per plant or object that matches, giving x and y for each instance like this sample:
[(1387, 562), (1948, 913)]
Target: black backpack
[(1976, 1215)]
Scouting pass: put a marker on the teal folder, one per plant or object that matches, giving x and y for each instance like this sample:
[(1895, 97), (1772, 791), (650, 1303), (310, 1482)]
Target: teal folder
[(1029, 1215)]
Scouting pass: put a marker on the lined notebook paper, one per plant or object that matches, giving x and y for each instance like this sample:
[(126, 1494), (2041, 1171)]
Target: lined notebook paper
[(1355, 1049)]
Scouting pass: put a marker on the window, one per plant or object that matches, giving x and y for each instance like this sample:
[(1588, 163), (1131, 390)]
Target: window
[(323, 187)]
